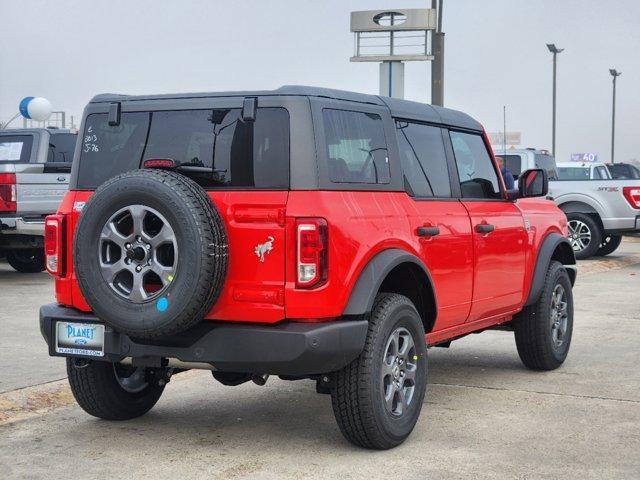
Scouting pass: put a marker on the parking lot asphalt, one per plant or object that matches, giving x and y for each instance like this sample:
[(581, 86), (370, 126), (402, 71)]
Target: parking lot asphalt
[(484, 415)]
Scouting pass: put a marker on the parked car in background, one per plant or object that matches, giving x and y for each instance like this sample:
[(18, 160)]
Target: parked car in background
[(582, 171), (519, 160), (623, 170), (599, 212), (35, 165)]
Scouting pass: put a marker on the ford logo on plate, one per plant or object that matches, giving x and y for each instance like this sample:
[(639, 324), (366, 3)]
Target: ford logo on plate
[(80, 341)]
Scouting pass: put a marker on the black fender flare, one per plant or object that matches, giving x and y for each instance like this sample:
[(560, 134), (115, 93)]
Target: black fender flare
[(545, 254), (373, 274)]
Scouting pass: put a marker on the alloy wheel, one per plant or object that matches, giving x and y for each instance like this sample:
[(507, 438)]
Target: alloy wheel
[(579, 235), (559, 316), (398, 373), (138, 253)]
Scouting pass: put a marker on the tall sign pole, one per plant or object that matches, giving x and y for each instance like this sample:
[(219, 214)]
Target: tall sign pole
[(615, 74), (437, 66), (393, 37), (555, 50)]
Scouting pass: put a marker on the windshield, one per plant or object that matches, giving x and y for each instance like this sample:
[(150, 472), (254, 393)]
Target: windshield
[(573, 173), (215, 147), (547, 163)]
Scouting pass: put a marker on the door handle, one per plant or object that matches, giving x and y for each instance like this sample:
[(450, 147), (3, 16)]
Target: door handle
[(485, 228), (428, 231)]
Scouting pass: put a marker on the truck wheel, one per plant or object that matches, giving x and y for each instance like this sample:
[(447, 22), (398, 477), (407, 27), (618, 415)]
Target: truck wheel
[(377, 398), (610, 244), (28, 260), (150, 253), (584, 234), (543, 330), (113, 391)]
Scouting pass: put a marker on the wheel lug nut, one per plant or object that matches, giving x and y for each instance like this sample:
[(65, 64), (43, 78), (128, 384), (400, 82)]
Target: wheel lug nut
[(127, 246), (138, 268)]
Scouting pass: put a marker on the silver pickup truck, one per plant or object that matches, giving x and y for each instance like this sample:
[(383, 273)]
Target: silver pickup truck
[(35, 165), (599, 212)]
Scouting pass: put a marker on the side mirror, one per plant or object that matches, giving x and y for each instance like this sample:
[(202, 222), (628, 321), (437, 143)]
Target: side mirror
[(533, 183)]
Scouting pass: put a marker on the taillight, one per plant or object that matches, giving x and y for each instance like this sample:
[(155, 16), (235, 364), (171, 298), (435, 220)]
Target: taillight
[(8, 192), (312, 258), (632, 194), (53, 246)]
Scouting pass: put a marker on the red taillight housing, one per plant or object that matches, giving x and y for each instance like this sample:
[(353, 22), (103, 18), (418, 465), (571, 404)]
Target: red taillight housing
[(8, 196), (312, 264), (53, 246), (632, 194), (159, 163)]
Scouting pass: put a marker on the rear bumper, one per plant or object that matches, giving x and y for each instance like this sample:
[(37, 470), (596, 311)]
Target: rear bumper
[(289, 348), (22, 226), (626, 224)]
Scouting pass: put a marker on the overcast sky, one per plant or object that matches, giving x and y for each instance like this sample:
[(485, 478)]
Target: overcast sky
[(68, 51)]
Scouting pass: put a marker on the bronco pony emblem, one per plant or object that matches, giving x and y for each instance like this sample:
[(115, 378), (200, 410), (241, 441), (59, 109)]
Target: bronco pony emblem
[(263, 248)]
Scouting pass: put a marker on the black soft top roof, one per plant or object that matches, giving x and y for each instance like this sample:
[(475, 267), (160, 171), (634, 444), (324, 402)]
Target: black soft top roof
[(399, 108)]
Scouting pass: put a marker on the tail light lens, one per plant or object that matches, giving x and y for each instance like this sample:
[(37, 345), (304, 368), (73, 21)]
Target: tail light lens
[(312, 258), (8, 200), (632, 194), (53, 246)]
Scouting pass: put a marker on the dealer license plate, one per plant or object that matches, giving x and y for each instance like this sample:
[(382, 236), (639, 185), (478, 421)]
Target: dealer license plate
[(80, 339)]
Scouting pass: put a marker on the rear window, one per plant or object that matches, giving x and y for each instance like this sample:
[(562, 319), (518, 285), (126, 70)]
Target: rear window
[(61, 147), (15, 148), (573, 173), (356, 147), (221, 149)]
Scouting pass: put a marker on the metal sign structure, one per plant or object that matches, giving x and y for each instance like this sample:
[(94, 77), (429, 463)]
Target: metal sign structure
[(498, 138), (392, 37)]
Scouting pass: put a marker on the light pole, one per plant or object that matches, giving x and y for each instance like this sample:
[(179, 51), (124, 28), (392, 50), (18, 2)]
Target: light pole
[(615, 74), (555, 50)]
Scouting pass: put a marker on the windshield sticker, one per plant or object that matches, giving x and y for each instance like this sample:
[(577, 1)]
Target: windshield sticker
[(10, 151)]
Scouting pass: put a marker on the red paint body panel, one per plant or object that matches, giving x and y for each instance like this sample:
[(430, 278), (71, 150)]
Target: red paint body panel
[(479, 280)]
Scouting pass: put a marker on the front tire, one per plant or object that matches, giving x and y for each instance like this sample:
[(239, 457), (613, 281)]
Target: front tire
[(377, 398), (113, 391), (610, 244), (585, 235), (543, 330), (29, 260)]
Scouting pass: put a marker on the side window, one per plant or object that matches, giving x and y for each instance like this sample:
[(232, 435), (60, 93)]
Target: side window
[(61, 147), (478, 177), (356, 147), (423, 159)]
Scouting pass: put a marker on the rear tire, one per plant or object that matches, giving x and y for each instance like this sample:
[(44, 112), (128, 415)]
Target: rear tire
[(377, 398), (543, 330), (100, 393), (585, 235), (29, 260), (610, 244)]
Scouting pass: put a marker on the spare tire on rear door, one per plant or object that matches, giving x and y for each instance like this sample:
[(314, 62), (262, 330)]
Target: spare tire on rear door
[(150, 253)]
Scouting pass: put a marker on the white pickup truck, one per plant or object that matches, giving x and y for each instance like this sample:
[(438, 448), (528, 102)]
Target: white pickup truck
[(35, 165), (599, 208)]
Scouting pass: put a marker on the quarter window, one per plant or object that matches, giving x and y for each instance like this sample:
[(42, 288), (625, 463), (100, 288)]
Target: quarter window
[(356, 147), (478, 177), (423, 159)]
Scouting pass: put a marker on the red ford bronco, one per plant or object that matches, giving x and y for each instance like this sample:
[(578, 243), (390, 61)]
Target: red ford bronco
[(303, 232)]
